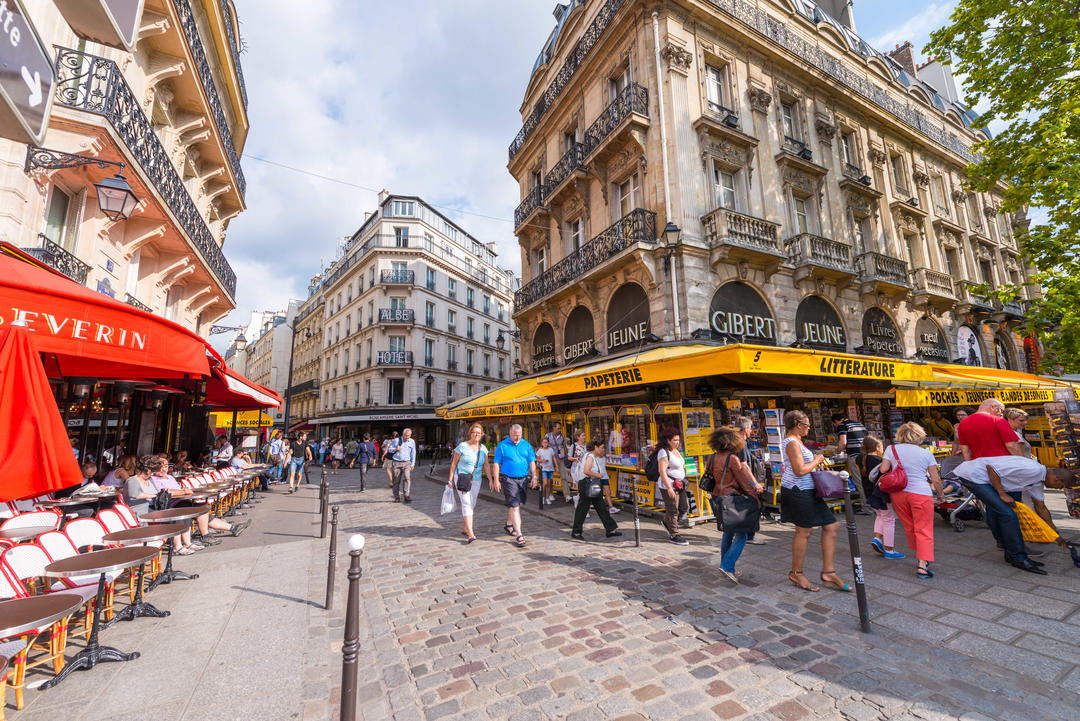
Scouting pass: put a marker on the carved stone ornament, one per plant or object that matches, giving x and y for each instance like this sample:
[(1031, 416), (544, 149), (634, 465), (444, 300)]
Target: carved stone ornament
[(784, 88), (825, 129), (759, 98), (921, 178), (959, 196), (907, 221), (990, 211), (1011, 264), (950, 239), (859, 203), (724, 151), (676, 57), (573, 205), (623, 160), (799, 180), (982, 252)]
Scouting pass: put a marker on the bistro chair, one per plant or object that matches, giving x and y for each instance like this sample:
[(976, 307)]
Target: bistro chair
[(57, 545), (86, 533), (32, 518), (9, 650), (7, 510), (110, 519), (126, 515)]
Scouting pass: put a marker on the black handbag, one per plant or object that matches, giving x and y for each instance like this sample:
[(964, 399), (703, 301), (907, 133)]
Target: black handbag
[(708, 481), (739, 513), (464, 482), (161, 501)]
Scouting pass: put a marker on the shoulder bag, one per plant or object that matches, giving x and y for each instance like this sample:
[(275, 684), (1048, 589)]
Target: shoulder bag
[(708, 481), (895, 479), (739, 513), (590, 485)]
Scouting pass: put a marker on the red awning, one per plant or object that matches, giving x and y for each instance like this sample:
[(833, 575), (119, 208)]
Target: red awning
[(35, 454), (228, 389), (89, 333)]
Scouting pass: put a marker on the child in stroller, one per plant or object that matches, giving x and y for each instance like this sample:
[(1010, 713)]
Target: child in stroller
[(960, 504)]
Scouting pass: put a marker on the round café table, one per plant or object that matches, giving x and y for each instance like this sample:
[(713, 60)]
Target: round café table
[(66, 503), (19, 615), (172, 515), (142, 535), (26, 533), (99, 562)]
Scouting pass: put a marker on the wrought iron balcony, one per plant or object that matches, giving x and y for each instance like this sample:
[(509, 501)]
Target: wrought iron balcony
[(393, 358), (206, 78), (406, 277), (797, 147), (726, 115), (882, 272), (54, 256), (573, 159), (813, 255), (451, 365), (534, 200), (96, 85), (134, 302), (738, 236), (396, 315), (933, 284), (234, 47), (311, 385), (638, 226), (632, 99)]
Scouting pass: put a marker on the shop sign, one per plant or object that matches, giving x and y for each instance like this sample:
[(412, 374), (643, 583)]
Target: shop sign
[(880, 336), (627, 317), (818, 325), (738, 310), (543, 355), (972, 397), (783, 362), (930, 341), (1002, 355), (970, 350), (519, 408), (244, 419), (578, 337)]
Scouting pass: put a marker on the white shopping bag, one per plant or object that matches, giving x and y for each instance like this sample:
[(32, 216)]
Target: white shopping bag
[(448, 500)]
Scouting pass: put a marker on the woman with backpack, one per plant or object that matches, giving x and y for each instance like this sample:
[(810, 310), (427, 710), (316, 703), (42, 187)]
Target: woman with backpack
[(467, 467), (734, 497), (671, 475), (914, 504)]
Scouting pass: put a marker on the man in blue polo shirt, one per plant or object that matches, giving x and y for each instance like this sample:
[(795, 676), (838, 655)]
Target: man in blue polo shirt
[(515, 466)]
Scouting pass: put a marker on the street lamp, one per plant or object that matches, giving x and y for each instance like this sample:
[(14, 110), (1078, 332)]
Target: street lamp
[(116, 199), (500, 340), (288, 383)]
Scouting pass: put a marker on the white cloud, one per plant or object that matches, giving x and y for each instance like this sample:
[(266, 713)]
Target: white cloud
[(917, 29)]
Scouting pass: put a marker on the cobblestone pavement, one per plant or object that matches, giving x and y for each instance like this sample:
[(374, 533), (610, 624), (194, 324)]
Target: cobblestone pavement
[(601, 629)]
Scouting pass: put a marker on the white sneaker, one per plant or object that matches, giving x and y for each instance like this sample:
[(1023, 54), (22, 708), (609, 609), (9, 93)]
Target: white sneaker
[(551, 499), (613, 509), (576, 497)]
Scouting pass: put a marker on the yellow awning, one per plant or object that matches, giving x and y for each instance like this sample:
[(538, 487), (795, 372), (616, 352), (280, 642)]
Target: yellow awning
[(520, 398), (977, 377), (908, 397)]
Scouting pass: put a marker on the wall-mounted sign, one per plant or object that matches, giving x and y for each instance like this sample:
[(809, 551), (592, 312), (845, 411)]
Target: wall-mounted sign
[(109, 22), (578, 338), (818, 325), (27, 77), (968, 347), (930, 343), (880, 336), (738, 310), (543, 351), (1002, 354), (627, 318)]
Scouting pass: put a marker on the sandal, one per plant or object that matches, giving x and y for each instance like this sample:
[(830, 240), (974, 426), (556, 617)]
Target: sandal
[(509, 529), (837, 584), (471, 539), (521, 541), (794, 577), (730, 576), (924, 573)]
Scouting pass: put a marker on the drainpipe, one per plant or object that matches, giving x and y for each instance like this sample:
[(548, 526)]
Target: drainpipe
[(664, 165)]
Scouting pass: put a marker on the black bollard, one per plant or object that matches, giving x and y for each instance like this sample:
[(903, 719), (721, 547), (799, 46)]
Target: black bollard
[(324, 503), (856, 560), (637, 519), (351, 648), (332, 562)]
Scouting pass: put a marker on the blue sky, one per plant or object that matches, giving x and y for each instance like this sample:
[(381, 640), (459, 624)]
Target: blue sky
[(420, 97)]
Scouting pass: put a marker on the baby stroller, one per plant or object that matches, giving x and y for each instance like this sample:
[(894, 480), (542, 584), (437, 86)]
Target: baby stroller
[(961, 506)]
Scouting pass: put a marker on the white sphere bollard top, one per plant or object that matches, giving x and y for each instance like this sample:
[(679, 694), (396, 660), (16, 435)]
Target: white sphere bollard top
[(356, 542)]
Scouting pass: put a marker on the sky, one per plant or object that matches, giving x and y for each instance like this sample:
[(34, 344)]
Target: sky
[(421, 97)]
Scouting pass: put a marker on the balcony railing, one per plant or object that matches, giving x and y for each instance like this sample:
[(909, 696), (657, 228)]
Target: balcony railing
[(573, 159), (878, 267), (932, 282), (809, 249), (397, 276), (723, 226), (1014, 307), (393, 358), (632, 99), (638, 226), (134, 302), (797, 147), (853, 171), (234, 47), (396, 315), (533, 201), (96, 85), (451, 365), (727, 116), (59, 259), (206, 78), (311, 385)]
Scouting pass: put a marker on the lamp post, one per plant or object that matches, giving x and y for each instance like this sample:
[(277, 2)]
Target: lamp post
[(116, 199), (670, 239), (288, 383)]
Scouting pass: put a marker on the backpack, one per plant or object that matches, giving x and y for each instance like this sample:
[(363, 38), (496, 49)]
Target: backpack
[(652, 467)]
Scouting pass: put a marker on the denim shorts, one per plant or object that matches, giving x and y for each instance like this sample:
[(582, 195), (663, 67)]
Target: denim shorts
[(547, 475), (296, 465)]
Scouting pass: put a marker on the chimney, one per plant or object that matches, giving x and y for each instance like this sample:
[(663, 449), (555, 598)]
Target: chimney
[(841, 11), (383, 195), (905, 56), (937, 72)]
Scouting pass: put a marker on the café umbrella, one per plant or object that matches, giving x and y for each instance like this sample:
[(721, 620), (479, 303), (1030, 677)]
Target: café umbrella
[(35, 454)]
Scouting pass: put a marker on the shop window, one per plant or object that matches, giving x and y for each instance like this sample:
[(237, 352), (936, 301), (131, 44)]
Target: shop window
[(602, 429)]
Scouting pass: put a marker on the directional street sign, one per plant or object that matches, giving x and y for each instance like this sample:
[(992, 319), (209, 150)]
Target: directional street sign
[(109, 22), (26, 77)]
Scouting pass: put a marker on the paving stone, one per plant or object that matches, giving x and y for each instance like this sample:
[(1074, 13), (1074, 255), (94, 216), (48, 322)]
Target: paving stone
[(728, 710)]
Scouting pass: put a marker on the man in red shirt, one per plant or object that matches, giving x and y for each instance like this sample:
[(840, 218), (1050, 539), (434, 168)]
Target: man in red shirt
[(986, 433)]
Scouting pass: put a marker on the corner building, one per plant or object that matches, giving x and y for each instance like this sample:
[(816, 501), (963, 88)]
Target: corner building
[(815, 183)]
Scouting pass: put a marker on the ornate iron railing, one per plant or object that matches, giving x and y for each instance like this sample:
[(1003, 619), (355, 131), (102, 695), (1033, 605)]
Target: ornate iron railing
[(95, 85), (637, 226), (931, 281), (809, 249), (729, 227), (134, 302), (533, 200), (397, 276), (632, 99), (726, 115), (234, 46), (393, 358), (397, 315), (573, 159), (54, 256), (876, 266), (581, 50), (311, 385), (853, 171), (797, 147), (202, 67)]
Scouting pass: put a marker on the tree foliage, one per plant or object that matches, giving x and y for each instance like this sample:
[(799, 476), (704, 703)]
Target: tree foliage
[(1022, 59)]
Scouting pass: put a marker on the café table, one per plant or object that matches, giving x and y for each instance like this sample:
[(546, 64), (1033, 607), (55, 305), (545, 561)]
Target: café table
[(19, 615), (173, 515), (72, 502), (26, 533), (142, 535), (99, 562)]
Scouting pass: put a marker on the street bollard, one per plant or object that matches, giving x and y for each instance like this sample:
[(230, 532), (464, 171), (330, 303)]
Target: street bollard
[(324, 503), (332, 562), (637, 518), (351, 648), (856, 558)]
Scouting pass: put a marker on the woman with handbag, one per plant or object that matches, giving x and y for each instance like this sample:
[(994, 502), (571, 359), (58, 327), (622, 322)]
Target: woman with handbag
[(734, 498), (914, 503), (591, 491), (672, 482), (800, 505), (469, 461), (577, 452)]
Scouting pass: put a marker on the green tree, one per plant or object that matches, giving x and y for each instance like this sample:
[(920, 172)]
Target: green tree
[(1022, 57)]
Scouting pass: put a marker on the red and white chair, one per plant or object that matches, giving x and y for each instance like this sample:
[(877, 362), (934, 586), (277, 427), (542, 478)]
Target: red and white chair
[(32, 518), (86, 532), (53, 648), (126, 515), (57, 545)]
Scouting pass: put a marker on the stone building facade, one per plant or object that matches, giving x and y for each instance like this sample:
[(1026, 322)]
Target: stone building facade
[(751, 171), (174, 111)]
